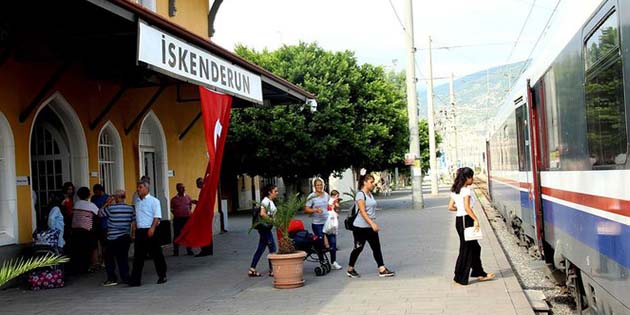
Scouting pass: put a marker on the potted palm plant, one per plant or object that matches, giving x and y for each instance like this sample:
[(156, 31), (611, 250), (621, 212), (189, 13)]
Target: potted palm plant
[(288, 263)]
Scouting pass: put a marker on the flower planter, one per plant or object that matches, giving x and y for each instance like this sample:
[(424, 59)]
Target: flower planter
[(288, 270)]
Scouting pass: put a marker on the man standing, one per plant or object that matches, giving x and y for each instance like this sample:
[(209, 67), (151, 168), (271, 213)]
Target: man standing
[(119, 219), (99, 198), (181, 205), (148, 215)]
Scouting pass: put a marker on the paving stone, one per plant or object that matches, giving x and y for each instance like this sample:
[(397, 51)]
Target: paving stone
[(421, 245)]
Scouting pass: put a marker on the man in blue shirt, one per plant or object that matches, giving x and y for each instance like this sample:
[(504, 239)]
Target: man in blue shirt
[(99, 198), (148, 215), (119, 218)]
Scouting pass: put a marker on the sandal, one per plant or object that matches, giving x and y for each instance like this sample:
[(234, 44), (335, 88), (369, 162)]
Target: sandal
[(489, 276), (253, 273)]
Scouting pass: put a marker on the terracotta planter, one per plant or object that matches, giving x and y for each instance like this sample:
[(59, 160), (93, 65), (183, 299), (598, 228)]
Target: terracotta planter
[(288, 270)]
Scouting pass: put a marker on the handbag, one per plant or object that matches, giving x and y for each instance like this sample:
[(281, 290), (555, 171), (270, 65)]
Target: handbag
[(349, 221), (471, 233), (258, 223)]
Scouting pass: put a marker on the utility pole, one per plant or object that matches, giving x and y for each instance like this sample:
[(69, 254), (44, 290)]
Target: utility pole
[(432, 153), (412, 111), (454, 120)]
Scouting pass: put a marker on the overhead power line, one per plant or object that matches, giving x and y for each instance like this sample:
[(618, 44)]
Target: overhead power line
[(540, 37), (531, 9), (469, 46), (397, 16)]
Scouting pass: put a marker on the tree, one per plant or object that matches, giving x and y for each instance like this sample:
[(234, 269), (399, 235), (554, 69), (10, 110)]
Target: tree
[(360, 120)]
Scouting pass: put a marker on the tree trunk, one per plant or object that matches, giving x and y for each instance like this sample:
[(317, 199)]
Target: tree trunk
[(291, 186)]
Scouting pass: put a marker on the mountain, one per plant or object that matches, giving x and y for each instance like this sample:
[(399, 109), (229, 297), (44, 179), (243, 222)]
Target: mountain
[(478, 97), (483, 90)]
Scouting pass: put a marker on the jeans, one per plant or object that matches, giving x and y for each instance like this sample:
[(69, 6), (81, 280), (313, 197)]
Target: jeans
[(117, 251), (318, 229), (142, 245), (469, 254), (266, 240), (362, 235)]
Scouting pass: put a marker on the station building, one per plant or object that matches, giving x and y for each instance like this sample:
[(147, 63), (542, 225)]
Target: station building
[(106, 91)]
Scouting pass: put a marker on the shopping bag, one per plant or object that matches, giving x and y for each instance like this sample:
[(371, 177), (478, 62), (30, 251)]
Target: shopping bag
[(332, 223)]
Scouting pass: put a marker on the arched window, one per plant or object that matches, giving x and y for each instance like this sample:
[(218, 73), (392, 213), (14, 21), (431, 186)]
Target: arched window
[(110, 161)]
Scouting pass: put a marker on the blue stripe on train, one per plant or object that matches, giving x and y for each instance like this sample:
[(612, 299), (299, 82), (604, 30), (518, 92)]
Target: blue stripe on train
[(582, 226)]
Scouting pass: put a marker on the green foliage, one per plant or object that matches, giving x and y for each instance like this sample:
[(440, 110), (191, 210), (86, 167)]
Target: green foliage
[(285, 212), (15, 267), (423, 129), (360, 120)]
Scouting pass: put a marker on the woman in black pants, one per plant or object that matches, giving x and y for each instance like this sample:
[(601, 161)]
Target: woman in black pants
[(366, 229), (469, 258)]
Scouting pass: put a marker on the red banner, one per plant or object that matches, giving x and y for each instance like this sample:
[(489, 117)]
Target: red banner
[(215, 109)]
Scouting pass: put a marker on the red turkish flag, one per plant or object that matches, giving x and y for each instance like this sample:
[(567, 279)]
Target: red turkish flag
[(215, 110)]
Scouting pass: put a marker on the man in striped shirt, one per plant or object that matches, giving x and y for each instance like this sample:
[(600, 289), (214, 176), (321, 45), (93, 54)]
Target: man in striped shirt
[(120, 216)]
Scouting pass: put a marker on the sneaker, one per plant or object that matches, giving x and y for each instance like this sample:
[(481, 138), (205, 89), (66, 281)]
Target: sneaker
[(386, 273), (353, 273), (109, 283), (335, 266)]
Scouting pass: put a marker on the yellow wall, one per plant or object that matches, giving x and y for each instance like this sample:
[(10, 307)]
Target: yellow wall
[(190, 14), (20, 82)]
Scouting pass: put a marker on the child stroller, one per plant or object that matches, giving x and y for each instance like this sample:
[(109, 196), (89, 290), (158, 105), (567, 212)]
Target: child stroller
[(312, 245)]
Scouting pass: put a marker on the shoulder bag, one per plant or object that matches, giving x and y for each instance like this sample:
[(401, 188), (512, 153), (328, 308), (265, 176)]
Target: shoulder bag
[(470, 233), (349, 221)]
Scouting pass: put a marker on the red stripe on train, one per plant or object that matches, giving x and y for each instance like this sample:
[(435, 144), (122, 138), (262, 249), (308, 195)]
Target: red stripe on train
[(511, 182), (613, 205)]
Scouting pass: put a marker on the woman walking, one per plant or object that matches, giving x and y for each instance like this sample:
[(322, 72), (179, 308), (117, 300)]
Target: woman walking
[(317, 206), (366, 229), (469, 258), (267, 210)]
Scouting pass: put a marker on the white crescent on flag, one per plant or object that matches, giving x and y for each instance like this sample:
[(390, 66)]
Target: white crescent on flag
[(217, 133)]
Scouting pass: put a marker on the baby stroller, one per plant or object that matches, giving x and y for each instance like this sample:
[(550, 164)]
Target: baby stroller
[(312, 245), (46, 243)]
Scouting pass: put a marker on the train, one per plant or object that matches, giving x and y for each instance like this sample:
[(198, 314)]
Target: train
[(557, 159)]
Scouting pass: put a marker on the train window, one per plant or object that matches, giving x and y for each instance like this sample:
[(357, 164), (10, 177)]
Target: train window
[(602, 42), (604, 99), (522, 138), (551, 120)]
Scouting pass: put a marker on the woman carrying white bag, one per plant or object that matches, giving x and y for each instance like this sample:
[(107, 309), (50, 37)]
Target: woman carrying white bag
[(469, 259)]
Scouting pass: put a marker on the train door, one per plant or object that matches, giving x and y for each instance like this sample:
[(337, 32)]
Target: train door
[(489, 168), (526, 177), (535, 106)]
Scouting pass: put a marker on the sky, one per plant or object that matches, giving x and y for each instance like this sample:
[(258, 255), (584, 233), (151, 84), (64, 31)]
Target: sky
[(373, 31)]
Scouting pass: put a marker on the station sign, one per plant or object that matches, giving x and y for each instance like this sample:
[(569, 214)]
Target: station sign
[(174, 57)]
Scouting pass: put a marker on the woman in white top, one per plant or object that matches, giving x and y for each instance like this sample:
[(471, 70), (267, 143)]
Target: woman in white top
[(469, 258), (267, 209), (366, 229)]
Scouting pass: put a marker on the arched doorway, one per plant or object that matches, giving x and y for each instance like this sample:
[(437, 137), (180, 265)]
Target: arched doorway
[(110, 159), (58, 153), (8, 195), (153, 159)]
